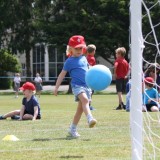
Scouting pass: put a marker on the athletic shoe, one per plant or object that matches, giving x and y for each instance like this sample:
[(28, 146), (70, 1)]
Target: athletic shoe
[(15, 117), (2, 118), (91, 108), (73, 133), (127, 110), (119, 107), (92, 123), (123, 106)]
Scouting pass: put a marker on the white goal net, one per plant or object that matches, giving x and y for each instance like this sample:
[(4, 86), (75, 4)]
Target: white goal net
[(145, 55)]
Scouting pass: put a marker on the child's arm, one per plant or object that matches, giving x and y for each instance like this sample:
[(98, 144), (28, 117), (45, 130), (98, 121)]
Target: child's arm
[(59, 81), (35, 113), (115, 70), (153, 99), (128, 71), (21, 113)]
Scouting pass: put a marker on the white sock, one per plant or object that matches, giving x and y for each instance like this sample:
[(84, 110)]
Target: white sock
[(89, 117), (73, 126)]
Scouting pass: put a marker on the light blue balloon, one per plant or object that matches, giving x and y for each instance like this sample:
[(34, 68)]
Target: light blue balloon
[(98, 77)]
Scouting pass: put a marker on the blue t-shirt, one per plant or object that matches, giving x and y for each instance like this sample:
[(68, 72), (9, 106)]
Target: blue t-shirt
[(77, 68), (29, 105), (149, 94)]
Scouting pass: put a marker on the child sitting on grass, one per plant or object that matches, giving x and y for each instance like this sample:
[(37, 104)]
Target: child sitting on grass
[(30, 107), (150, 96)]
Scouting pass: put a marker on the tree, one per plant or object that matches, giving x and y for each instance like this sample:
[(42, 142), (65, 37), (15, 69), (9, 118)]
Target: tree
[(21, 25), (104, 23), (8, 63), (151, 50)]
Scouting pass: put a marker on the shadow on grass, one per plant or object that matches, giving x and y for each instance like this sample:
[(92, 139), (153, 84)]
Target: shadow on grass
[(70, 156), (54, 139)]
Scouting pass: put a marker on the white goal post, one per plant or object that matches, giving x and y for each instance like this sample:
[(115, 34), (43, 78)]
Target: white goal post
[(136, 119)]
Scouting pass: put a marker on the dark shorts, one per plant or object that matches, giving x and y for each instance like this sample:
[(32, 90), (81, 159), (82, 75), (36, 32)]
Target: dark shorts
[(16, 87), (38, 86), (149, 106), (120, 85), (38, 117)]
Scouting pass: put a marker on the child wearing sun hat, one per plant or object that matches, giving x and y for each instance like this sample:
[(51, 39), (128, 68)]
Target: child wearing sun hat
[(150, 96), (77, 66), (30, 109)]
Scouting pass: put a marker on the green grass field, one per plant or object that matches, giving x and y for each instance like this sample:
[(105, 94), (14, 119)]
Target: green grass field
[(47, 139)]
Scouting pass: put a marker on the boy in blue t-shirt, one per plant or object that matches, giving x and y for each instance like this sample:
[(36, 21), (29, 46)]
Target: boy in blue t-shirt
[(30, 109), (77, 66), (150, 96)]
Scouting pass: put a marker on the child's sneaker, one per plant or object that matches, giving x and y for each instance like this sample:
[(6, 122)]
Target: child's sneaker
[(73, 133), (119, 107), (15, 117), (2, 118), (92, 123), (92, 108), (123, 106)]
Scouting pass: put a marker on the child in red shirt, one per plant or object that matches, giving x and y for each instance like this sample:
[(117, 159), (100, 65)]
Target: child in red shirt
[(90, 52), (121, 68)]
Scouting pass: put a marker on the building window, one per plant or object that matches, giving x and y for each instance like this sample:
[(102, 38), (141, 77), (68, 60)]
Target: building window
[(23, 69), (38, 60)]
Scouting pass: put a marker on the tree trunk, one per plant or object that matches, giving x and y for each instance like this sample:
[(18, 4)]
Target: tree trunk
[(28, 68)]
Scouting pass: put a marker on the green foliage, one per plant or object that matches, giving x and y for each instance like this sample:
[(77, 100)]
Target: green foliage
[(151, 50), (102, 22), (8, 63), (5, 83)]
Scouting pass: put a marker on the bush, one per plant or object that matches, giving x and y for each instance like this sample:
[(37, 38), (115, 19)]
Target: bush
[(5, 83)]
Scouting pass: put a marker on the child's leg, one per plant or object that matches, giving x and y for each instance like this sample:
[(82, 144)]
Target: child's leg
[(27, 117), (85, 105), (120, 97), (73, 128), (154, 109), (78, 113), (90, 106), (119, 89), (11, 114)]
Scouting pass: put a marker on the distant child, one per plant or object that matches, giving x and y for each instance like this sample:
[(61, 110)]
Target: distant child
[(91, 50), (152, 71), (128, 95), (121, 68), (128, 98), (90, 53), (150, 96), (38, 84), (77, 66), (30, 109), (17, 80)]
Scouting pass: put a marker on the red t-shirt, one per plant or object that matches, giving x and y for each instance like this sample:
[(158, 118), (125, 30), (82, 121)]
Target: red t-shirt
[(122, 68), (91, 60)]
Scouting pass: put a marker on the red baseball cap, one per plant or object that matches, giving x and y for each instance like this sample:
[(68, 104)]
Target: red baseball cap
[(27, 86), (149, 80), (77, 41)]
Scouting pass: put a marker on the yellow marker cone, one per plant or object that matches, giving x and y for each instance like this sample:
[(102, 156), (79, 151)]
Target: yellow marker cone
[(10, 138)]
